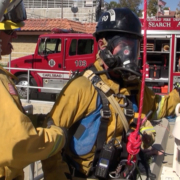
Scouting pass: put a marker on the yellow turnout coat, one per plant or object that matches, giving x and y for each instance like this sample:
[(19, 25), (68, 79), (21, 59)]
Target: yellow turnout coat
[(21, 144)]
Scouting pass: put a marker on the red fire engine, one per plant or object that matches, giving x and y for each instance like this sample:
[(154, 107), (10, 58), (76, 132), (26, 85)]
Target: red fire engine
[(70, 52), (163, 53), (61, 51)]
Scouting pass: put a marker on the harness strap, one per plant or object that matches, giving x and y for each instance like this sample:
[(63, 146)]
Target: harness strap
[(89, 74), (105, 115), (117, 108), (102, 133), (103, 87)]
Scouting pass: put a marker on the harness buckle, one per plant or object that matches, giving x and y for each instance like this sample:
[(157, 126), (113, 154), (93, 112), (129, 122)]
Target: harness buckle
[(126, 172), (129, 112), (105, 113)]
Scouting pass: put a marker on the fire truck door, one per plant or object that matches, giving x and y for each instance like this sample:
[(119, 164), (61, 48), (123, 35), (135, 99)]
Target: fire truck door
[(49, 54), (81, 54)]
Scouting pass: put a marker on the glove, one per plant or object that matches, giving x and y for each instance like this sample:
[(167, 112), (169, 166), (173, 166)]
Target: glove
[(41, 120), (38, 120)]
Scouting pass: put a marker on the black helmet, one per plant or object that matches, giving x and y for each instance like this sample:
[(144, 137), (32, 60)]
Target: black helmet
[(119, 20)]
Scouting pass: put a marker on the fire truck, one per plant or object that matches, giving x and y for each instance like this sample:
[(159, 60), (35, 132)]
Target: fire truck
[(63, 51)]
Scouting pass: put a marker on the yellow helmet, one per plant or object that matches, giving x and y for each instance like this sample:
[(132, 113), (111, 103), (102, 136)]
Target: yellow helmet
[(13, 16)]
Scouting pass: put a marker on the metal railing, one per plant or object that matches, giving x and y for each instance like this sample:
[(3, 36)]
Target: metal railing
[(67, 73), (58, 3), (82, 17)]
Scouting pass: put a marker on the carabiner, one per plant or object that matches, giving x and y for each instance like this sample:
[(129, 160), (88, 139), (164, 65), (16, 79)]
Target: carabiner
[(117, 173), (121, 96)]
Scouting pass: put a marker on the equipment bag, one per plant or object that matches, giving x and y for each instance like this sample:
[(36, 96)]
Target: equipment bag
[(86, 133)]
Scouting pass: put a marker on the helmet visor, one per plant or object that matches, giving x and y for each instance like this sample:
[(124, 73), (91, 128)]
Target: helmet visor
[(16, 12)]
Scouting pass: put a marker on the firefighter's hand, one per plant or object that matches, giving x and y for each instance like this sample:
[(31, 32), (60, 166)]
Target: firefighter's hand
[(41, 120), (147, 139)]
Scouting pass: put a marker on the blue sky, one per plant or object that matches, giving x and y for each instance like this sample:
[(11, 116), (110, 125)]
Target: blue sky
[(169, 3)]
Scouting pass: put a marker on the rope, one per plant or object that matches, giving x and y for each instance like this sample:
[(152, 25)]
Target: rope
[(134, 139)]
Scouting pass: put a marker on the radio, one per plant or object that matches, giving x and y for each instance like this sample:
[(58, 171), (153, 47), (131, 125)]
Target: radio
[(106, 156)]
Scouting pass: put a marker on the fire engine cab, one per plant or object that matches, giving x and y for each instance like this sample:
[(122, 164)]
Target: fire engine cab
[(63, 51)]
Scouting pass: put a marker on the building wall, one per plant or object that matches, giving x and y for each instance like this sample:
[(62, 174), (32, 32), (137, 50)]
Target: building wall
[(23, 45), (85, 14)]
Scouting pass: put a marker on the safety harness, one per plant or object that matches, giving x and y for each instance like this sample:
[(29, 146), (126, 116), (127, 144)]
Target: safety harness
[(107, 97)]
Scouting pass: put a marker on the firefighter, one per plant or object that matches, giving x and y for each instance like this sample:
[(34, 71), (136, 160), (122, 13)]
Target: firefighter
[(21, 143), (99, 106)]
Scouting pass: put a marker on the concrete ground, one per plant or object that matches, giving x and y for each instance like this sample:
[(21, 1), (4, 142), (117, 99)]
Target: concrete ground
[(168, 159), (39, 107)]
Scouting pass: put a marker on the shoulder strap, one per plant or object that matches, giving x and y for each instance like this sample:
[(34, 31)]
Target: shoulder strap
[(117, 108), (102, 133), (89, 74), (105, 113)]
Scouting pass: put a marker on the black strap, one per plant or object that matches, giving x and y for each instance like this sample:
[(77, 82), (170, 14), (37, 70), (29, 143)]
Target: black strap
[(102, 133), (128, 110), (105, 115)]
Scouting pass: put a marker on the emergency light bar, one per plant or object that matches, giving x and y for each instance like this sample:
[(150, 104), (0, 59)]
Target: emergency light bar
[(57, 30)]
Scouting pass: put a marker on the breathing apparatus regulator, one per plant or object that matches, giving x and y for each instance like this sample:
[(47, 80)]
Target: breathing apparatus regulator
[(122, 30)]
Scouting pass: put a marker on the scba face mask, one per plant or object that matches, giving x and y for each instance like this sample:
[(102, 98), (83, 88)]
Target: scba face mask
[(121, 56)]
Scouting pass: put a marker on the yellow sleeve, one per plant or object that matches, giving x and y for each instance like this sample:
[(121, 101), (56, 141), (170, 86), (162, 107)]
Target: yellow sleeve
[(166, 104), (21, 143), (77, 100), (161, 106)]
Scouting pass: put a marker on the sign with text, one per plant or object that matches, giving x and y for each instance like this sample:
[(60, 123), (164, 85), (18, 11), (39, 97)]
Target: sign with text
[(162, 23)]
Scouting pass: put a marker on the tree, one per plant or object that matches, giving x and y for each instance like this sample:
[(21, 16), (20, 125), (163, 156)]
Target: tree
[(131, 4), (178, 11), (113, 4), (152, 7), (166, 8)]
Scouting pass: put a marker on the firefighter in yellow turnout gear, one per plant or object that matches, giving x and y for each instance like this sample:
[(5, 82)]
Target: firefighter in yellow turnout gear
[(116, 75), (21, 143)]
